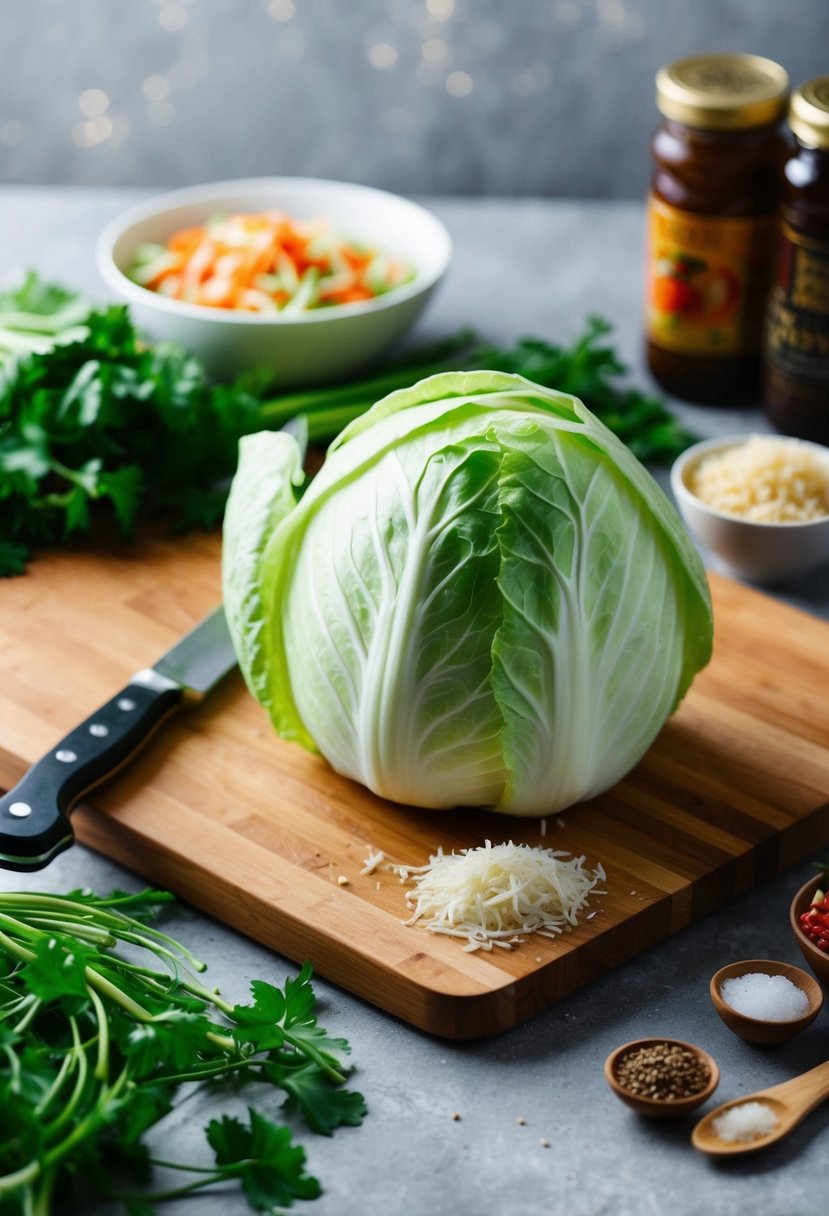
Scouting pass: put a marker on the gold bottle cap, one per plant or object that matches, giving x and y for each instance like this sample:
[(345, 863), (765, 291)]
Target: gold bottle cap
[(722, 92), (809, 112)]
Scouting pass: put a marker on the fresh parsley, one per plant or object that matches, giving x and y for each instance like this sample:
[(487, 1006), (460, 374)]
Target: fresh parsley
[(96, 423), (104, 419), (103, 1020)]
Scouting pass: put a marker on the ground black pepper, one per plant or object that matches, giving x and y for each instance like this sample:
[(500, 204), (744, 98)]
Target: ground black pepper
[(665, 1071)]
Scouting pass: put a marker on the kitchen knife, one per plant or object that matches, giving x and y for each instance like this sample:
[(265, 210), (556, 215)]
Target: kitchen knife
[(34, 816)]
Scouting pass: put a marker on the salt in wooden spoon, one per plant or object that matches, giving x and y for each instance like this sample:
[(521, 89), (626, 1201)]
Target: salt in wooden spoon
[(791, 1102)]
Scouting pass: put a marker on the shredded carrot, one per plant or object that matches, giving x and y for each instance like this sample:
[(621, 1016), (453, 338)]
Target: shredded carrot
[(266, 262)]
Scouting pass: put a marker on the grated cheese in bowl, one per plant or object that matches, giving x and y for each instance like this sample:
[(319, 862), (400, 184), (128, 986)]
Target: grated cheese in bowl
[(492, 894), (766, 480)]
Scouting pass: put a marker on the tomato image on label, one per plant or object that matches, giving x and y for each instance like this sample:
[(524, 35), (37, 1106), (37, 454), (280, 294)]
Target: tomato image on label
[(675, 294), (689, 289)]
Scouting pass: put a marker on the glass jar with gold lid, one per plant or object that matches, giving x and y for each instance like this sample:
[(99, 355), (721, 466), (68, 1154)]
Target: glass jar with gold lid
[(796, 363), (712, 210)]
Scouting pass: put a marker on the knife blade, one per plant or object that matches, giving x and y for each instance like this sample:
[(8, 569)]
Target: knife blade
[(34, 815)]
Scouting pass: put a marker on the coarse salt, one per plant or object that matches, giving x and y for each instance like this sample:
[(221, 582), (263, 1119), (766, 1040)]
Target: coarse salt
[(748, 1121), (774, 998)]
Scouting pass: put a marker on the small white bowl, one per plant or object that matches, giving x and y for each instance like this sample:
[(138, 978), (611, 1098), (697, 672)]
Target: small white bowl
[(308, 348), (757, 552)]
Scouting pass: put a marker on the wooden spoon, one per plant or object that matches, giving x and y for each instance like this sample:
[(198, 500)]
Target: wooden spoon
[(791, 1102)]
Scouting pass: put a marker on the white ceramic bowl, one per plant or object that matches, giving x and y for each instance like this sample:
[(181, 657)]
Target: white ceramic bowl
[(309, 348), (758, 552)]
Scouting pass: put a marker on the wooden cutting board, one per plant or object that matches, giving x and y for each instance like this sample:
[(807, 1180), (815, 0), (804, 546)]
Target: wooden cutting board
[(256, 832)]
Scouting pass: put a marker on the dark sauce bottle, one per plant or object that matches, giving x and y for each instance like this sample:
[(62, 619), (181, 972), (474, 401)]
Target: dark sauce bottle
[(712, 215), (796, 355)]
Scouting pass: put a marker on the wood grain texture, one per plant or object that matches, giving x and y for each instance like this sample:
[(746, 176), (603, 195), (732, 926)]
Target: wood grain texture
[(256, 831)]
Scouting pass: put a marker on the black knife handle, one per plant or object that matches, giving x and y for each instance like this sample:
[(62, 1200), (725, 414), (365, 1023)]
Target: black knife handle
[(34, 816)]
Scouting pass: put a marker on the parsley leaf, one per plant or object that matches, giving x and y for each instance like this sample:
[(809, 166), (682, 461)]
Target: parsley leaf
[(13, 558), (147, 1104), (275, 1019), (269, 1165), (323, 1105), (58, 969), (175, 1040), (123, 488)]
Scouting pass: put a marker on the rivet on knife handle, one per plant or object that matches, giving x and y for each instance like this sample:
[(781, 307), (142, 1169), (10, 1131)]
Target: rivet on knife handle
[(34, 816)]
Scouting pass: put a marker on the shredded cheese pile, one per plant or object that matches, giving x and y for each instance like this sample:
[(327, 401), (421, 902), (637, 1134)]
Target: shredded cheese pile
[(494, 893), (767, 480)]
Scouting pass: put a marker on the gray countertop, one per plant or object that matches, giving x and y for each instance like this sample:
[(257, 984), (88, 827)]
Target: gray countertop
[(520, 267)]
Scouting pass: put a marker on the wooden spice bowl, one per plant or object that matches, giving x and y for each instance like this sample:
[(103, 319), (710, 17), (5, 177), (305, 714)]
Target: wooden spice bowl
[(660, 1108), (817, 959), (761, 1031)]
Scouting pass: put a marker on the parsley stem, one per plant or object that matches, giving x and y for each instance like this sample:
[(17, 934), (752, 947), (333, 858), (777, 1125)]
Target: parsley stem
[(102, 1064), (14, 1069), (152, 978), (205, 1072), (12, 1007), (75, 476), (66, 1067), (177, 1165), (75, 928), (157, 942), (34, 1006), (149, 975), (306, 1048), (15, 948), (132, 899), (221, 1040), (98, 1115), (85, 914), (20, 1178), (152, 939), (107, 988), (43, 1204), (82, 1063), (54, 903), (176, 1192)]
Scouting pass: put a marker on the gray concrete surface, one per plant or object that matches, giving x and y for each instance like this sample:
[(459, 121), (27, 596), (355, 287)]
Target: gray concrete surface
[(559, 262), (517, 97)]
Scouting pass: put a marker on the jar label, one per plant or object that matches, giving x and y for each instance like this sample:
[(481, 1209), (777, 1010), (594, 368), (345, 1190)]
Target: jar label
[(797, 326), (707, 280)]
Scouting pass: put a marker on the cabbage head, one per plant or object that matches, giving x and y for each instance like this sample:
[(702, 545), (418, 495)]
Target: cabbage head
[(481, 599)]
